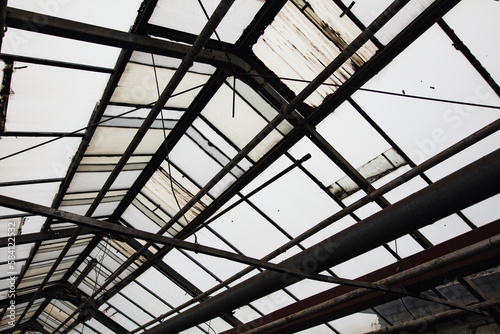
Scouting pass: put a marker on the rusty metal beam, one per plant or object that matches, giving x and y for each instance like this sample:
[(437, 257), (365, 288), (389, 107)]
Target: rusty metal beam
[(471, 252)]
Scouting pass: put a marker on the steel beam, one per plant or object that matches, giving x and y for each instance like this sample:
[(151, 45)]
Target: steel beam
[(417, 325), (471, 184), (466, 254)]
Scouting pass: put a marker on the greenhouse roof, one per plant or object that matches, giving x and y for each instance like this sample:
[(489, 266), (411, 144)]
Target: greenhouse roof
[(249, 166)]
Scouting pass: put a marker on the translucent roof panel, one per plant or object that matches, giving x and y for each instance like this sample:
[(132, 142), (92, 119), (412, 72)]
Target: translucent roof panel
[(32, 44), (76, 93), (189, 16), (293, 47), (96, 13)]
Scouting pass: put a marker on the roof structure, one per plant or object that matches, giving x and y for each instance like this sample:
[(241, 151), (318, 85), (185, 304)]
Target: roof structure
[(249, 166)]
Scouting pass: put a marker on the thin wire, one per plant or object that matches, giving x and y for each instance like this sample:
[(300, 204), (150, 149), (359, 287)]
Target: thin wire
[(167, 158), (380, 92), (99, 267), (233, 68), (96, 124)]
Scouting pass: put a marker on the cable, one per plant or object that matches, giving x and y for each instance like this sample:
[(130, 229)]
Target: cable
[(167, 158), (380, 92), (149, 105), (233, 68)]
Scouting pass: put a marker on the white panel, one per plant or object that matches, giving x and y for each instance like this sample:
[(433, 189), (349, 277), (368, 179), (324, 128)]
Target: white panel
[(273, 302), (99, 327), (107, 140), (27, 43), (405, 246), (445, 229), (476, 24), (249, 231), (52, 99), (163, 61), (52, 160), (138, 85), (329, 231), (465, 157), (347, 131), (42, 194), (126, 307), (183, 265), (241, 128), (295, 202), (424, 128), (319, 165), (114, 14), (364, 264), (88, 182), (148, 301), (401, 20), (188, 16), (485, 211), (188, 157), (163, 287)]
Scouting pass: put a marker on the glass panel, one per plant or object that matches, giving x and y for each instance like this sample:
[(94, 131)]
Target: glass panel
[(241, 128), (139, 220), (111, 14), (138, 86), (295, 202), (113, 141), (183, 265), (352, 136), (319, 165), (126, 307), (161, 286), (44, 93), (474, 26), (445, 229), (148, 301), (188, 156), (294, 46), (88, 182), (221, 268), (42, 194), (162, 61), (489, 282), (249, 231), (27, 43), (422, 128), (273, 302), (188, 16), (364, 264), (401, 20), (52, 159), (484, 212)]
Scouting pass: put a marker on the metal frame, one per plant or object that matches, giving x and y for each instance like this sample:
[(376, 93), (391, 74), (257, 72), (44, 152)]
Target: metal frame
[(239, 61)]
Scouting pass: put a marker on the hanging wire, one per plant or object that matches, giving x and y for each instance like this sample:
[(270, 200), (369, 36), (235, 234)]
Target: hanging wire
[(233, 68), (149, 105), (167, 158), (418, 97)]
